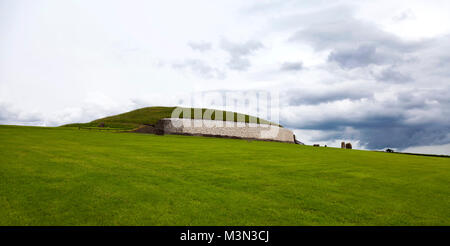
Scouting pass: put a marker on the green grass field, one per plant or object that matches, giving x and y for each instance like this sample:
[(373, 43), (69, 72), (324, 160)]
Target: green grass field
[(66, 176)]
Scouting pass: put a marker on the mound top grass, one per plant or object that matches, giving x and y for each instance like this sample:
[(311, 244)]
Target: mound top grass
[(66, 176), (151, 115)]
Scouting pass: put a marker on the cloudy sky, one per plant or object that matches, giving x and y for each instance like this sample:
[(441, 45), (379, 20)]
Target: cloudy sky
[(376, 73)]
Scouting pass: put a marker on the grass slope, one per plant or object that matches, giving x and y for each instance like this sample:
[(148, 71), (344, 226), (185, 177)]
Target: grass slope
[(151, 115), (66, 176)]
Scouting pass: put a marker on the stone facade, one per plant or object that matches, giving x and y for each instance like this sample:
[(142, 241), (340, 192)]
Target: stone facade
[(225, 129)]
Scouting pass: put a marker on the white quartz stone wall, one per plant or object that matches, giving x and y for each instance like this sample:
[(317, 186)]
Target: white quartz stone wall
[(226, 129)]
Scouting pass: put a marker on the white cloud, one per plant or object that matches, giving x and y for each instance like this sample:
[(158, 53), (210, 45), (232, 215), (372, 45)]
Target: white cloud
[(443, 149)]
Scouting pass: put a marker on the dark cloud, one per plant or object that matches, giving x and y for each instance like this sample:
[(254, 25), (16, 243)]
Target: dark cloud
[(392, 75), (379, 132), (389, 134), (339, 122), (362, 56), (402, 98), (200, 68), (409, 118), (239, 53), (355, 43), (405, 136), (291, 66), (200, 46)]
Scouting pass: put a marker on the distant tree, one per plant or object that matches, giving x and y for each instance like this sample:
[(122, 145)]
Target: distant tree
[(348, 146), (389, 150)]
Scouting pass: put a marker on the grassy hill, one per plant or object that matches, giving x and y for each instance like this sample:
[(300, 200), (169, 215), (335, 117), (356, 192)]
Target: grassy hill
[(66, 176), (150, 116)]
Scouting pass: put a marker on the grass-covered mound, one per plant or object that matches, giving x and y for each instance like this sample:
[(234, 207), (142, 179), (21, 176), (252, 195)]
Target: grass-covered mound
[(66, 176), (150, 116)]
